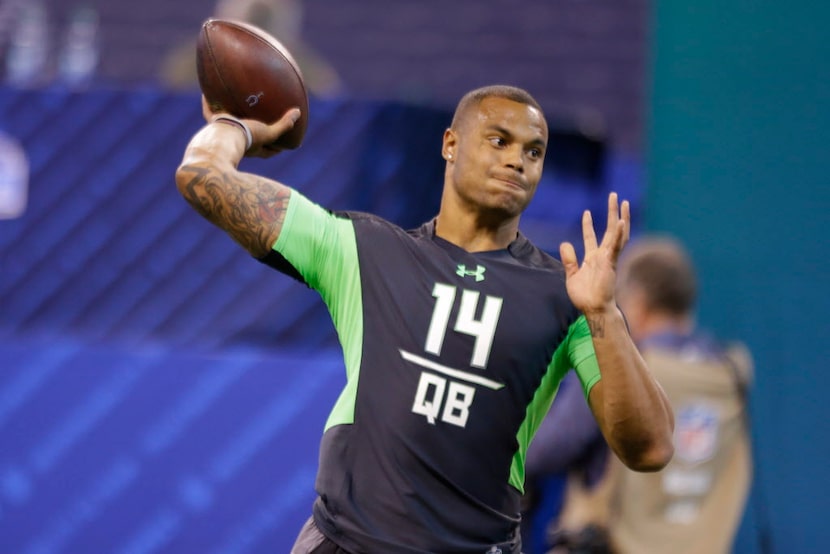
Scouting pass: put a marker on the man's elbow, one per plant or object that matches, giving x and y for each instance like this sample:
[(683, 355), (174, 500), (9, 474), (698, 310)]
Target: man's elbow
[(183, 177), (651, 457), (191, 177), (198, 166)]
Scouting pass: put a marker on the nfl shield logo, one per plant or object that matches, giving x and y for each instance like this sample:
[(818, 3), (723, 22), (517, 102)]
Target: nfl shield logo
[(696, 433)]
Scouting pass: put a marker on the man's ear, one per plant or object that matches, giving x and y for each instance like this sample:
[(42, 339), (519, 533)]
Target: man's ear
[(449, 146)]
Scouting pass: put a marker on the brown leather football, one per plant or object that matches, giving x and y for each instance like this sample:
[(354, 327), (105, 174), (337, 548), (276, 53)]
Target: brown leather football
[(246, 72)]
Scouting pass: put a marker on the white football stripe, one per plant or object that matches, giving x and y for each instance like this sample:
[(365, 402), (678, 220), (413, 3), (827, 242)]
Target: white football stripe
[(458, 374)]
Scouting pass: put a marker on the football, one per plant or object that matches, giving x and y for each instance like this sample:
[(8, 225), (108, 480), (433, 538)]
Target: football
[(248, 73)]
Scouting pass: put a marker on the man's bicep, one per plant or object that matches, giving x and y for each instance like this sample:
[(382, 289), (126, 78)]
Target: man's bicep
[(582, 355), (584, 361), (557, 446), (250, 208), (595, 402)]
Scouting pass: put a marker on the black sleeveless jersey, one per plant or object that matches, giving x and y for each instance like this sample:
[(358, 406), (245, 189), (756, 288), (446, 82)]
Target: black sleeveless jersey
[(452, 360)]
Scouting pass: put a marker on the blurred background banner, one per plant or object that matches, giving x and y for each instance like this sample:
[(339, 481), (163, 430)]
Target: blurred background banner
[(162, 392), (14, 177)]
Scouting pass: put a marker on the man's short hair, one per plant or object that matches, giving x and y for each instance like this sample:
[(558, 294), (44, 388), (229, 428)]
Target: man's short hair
[(475, 97), (661, 268)]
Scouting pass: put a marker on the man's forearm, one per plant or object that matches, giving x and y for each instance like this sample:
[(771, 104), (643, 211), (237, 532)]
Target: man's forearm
[(629, 404), (249, 207)]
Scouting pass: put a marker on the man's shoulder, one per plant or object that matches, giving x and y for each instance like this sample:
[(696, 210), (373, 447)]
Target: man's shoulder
[(524, 251), (367, 218), (740, 357), (376, 232)]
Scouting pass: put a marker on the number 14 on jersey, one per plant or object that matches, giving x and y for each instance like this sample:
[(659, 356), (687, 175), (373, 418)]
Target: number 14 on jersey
[(447, 399)]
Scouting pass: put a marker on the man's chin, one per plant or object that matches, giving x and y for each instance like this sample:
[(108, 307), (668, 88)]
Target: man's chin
[(513, 203), (506, 209)]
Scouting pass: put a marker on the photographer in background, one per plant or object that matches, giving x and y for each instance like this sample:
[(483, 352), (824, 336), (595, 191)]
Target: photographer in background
[(696, 502)]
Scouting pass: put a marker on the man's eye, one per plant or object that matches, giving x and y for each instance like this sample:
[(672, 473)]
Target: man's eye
[(535, 153), (497, 141)]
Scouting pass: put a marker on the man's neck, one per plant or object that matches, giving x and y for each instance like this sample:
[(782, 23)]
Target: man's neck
[(474, 235)]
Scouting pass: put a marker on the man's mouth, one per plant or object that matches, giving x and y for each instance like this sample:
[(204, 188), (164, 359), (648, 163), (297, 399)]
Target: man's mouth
[(510, 181)]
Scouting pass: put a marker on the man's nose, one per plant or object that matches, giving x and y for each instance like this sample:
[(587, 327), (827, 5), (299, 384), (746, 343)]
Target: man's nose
[(514, 158)]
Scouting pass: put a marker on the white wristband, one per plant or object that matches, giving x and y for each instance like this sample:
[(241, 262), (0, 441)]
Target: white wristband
[(249, 138)]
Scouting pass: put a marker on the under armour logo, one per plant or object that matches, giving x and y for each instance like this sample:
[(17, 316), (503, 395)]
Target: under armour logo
[(493, 549), (462, 271)]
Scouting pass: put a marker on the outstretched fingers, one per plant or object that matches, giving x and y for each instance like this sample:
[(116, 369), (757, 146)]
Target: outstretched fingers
[(618, 229), (613, 214), (567, 255), (589, 236), (625, 209)]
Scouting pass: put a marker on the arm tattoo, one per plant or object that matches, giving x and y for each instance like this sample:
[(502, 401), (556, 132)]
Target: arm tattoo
[(597, 326), (251, 209)]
